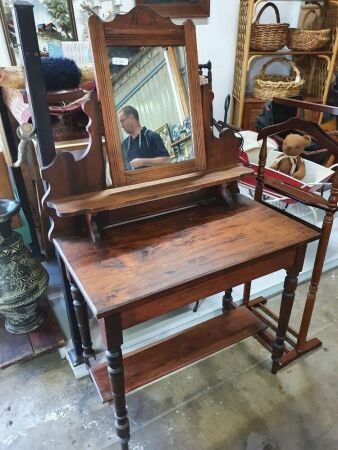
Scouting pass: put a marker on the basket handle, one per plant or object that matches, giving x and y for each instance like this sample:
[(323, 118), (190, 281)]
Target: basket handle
[(282, 60), (307, 15), (264, 8)]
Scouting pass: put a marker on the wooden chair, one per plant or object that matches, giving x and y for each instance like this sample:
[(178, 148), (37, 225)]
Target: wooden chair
[(298, 341)]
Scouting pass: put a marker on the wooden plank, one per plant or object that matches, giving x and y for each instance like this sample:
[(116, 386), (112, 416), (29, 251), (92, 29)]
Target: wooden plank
[(48, 336), (189, 346), (199, 8), (20, 347), (132, 195), (13, 347)]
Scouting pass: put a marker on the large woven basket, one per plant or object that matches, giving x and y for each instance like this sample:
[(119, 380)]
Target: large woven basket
[(267, 86), (300, 39), (271, 36)]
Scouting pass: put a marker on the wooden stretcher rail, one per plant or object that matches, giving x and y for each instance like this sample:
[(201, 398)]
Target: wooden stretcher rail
[(132, 195), (307, 105), (297, 194)]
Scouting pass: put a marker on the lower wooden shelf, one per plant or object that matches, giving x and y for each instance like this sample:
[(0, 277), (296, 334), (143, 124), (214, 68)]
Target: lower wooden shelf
[(16, 348), (165, 356)]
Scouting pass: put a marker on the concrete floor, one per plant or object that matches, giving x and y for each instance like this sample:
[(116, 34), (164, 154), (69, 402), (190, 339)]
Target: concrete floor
[(227, 401)]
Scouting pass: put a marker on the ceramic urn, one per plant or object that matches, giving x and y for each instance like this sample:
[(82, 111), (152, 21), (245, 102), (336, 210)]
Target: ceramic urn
[(23, 279)]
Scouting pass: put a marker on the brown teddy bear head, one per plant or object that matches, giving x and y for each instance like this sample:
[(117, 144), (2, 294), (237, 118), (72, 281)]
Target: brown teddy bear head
[(294, 144)]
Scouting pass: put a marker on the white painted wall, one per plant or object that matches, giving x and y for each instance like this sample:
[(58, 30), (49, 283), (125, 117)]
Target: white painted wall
[(216, 41)]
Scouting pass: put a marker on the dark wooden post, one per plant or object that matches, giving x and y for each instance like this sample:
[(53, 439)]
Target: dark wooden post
[(227, 301), (260, 173), (288, 296), (113, 332), (246, 293), (80, 307), (75, 355)]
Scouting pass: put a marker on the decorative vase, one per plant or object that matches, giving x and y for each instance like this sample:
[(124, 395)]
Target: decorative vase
[(23, 279)]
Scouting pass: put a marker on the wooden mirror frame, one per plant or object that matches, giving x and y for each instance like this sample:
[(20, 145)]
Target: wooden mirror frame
[(201, 9), (143, 26)]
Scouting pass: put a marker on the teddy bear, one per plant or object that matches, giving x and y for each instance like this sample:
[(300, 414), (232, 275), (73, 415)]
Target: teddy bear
[(290, 162)]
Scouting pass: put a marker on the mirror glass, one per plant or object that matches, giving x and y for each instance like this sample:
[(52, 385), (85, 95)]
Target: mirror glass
[(151, 96)]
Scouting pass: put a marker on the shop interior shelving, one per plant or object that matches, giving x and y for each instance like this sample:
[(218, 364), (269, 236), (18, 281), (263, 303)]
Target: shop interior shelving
[(317, 67)]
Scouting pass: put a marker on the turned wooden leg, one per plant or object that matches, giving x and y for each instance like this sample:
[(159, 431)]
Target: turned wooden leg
[(114, 339), (315, 278), (81, 313), (307, 314), (227, 301), (75, 354), (288, 296)]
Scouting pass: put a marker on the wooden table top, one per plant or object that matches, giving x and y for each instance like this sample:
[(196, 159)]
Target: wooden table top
[(144, 258)]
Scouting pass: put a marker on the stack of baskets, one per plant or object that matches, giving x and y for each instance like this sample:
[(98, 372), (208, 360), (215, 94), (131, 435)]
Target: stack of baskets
[(265, 87), (271, 36), (300, 39), (274, 36)]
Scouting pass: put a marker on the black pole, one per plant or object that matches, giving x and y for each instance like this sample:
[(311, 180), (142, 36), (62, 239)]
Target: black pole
[(35, 83), (37, 96)]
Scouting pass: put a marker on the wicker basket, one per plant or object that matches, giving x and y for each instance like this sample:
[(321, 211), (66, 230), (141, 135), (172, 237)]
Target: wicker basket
[(300, 39), (271, 36), (267, 86)]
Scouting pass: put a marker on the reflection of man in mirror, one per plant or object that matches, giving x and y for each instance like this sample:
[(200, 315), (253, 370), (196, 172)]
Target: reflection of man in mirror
[(143, 147)]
